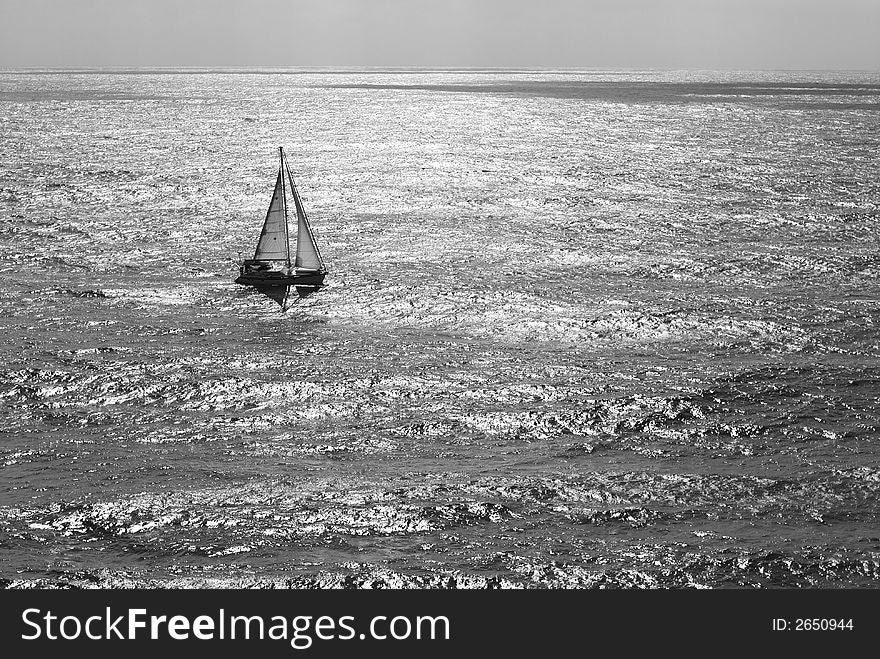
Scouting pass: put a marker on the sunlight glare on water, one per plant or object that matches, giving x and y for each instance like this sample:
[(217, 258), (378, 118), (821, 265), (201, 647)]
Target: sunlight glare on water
[(580, 329)]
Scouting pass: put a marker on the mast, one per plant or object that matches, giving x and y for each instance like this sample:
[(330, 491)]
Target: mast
[(301, 209), (284, 205)]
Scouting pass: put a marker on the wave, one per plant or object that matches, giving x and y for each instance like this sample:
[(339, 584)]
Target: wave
[(655, 567)]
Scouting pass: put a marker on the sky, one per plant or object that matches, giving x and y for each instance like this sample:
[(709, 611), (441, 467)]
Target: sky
[(665, 34)]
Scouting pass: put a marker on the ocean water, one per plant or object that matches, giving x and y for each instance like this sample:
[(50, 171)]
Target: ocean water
[(582, 329)]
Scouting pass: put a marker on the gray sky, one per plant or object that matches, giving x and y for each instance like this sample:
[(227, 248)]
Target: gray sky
[(727, 34)]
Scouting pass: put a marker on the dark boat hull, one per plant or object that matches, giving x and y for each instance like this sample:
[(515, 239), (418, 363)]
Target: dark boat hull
[(273, 279)]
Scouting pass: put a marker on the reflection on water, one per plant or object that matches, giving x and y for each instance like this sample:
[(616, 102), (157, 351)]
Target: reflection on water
[(277, 293)]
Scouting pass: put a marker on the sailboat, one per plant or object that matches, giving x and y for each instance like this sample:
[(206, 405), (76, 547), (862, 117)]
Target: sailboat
[(272, 271)]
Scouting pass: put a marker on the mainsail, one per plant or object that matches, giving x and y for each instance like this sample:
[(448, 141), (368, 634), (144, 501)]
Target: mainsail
[(273, 244)]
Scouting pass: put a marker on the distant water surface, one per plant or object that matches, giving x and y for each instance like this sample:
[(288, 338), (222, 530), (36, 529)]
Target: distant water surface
[(582, 329)]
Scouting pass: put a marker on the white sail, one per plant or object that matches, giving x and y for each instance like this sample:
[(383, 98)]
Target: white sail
[(307, 254), (273, 245)]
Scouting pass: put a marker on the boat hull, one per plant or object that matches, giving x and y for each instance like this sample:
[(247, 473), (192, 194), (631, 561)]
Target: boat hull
[(272, 279)]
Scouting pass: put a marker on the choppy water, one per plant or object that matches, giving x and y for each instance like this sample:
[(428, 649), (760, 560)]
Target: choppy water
[(582, 329)]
